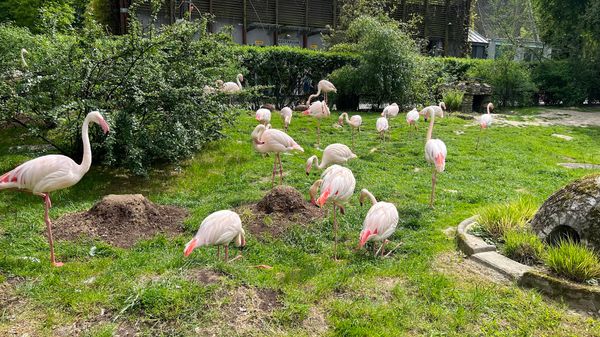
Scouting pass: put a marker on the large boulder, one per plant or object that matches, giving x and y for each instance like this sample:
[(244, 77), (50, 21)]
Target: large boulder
[(572, 212)]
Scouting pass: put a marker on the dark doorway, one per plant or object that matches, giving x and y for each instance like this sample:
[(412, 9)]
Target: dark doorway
[(562, 233)]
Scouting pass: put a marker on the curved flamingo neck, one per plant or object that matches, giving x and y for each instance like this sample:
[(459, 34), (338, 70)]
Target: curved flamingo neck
[(87, 151), (365, 193), (239, 84), (23, 58), (430, 130), (488, 109)]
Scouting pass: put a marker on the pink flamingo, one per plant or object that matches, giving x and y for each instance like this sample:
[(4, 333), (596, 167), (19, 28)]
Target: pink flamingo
[(355, 122), (412, 117), (286, 115), (437, 109), (232, 87), (46, 174), (218, 229), (485, 121), (333, 154), (273, 141), (263, 116), (435, 154), (318, 110), (324, 86), (380, 222), (391, 111), (382, 126), (337, 186)]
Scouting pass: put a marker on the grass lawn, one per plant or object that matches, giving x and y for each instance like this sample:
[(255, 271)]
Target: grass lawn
[(421, 290)]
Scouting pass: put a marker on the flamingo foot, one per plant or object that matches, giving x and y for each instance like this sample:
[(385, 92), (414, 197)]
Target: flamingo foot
[(57, 264)]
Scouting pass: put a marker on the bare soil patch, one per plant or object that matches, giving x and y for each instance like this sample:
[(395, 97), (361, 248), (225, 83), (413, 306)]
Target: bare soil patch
[(122, 220), (204, 276), (282, 207), (466, 270)]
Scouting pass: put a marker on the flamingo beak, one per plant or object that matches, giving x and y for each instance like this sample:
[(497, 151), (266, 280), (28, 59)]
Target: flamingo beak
[(104, 126), (305, 112), (323, 199), (189, 248), (364, 238)]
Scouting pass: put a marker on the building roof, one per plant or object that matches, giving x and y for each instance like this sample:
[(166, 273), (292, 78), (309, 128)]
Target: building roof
[(475, 37)]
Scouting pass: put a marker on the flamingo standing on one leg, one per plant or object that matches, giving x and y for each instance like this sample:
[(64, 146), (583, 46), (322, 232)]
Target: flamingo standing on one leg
[(218, 229), (274, 141), (46, 174), (437, 109), (319, 110), (435, 154), (337, 186), (324, 86), (232, 87), (412, 117), (333, 154), (382, 126), (485, 121), (355, 122), (263, 116), (286, 115), (380, 222)]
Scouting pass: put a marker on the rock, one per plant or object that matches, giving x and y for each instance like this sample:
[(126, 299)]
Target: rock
[(573, 212), (580, 166), (568, 138)]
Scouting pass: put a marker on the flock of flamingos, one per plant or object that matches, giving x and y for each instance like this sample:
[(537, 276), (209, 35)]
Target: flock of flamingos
[(46, 174)]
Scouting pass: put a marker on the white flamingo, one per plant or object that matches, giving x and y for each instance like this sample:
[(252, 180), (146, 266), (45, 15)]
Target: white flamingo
[(380, 223), (263, 116), (46, 174), (318, 110), (232, 87), (286, 115), (325, 87), (485, 121), (412, 117), (391, 111), (382, 126), (435, 154), (266, 140), (218, 229), (355, 122), (337, 186), (437, 109), (208, 90), (333, 154)]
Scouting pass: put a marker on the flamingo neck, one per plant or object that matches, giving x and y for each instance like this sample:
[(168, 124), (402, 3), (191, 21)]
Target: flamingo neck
[(365, 193), (23, 59), (321, 165), (239, 84), (430, 130), (488, 109), (346, 116), (87, 151)]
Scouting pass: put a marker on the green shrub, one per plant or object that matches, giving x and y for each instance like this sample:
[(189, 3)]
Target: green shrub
[(573, 261), (567, 82), (453, 99), (523, 246), (497, 220)]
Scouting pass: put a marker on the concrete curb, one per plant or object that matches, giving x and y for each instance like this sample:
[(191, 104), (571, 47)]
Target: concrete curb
[(468, 243)]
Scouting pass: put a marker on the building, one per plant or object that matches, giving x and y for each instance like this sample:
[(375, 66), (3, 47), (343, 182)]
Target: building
[(300, 23)]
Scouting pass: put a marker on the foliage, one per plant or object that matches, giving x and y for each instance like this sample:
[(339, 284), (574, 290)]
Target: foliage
[(40, 16), (453, 99), (149, 86), (100, 11), (497, 220), (510, 80), (568, 82), (523, 246), (573, 260)]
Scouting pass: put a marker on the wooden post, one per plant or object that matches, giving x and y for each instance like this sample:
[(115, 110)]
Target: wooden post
[(276, 32), (334, 14), (446, 29), (403, 4), (210, 10), (425, 19), (304, 35), (245, 24)]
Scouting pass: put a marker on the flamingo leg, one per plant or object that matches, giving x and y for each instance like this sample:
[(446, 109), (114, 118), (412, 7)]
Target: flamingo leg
[(433, 180), (318, 132), (47, 205), (218, 252), (274, 171), (383, 247), (335, 229), (226, 253), (352, 138), (280, 169)]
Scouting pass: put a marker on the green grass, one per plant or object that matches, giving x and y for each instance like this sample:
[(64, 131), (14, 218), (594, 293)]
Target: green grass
[(499, 219), (408, 294), (523, 246), (573, 260)]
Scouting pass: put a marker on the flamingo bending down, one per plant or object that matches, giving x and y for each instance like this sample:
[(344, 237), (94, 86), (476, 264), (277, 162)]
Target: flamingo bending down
[(325, 86), (380, 222), (232, 87), (435, 154), (382, 126), (46, 174), (437, 109), (286, 115), (218, 229), (412, 117), (391, 111), (263, 116), (333, 154), (267, 140), (337, 186), (318, 110), (355, 122)]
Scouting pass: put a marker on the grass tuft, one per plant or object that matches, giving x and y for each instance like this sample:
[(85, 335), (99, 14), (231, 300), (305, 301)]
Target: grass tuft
[(497, 220), (523, 246), (573, 260)]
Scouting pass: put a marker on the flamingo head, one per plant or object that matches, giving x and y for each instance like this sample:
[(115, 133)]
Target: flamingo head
[(306, 112), (322, 200), (440, 162), (364, 237), (341, 121), (240, 240), (190, 246), (313, 191), (309, 165), (240, 77), (97, 118)]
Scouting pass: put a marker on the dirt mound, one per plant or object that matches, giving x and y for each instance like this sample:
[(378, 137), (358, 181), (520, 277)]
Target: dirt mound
[(279, 209), (121, 220)]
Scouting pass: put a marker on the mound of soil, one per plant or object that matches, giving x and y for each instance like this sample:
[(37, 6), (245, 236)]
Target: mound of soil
[(279, 209), (121, 220)]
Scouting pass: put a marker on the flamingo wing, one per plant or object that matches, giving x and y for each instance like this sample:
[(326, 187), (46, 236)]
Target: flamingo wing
[(44, 174), (219, 228)]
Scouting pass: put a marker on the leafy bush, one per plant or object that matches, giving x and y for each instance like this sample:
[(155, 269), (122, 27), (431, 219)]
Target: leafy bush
[(573, 260), (497, 220), (523, 246), (510, 80), (453, 99), (149, 86), (566, 82)]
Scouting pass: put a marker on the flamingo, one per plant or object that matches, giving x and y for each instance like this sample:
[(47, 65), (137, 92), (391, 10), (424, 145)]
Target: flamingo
[(267, 140), (18, 74), (435, 154), (46, 174), (286, 115), (382, 126), (263, 116), (218, 229), (355, 122), (437, 109), (391, 111), (380, 222), (232, 87), (333, 154), (337, 186), (325, 86), (208, 90), (318, 110), (412, 117), (485, 121)]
